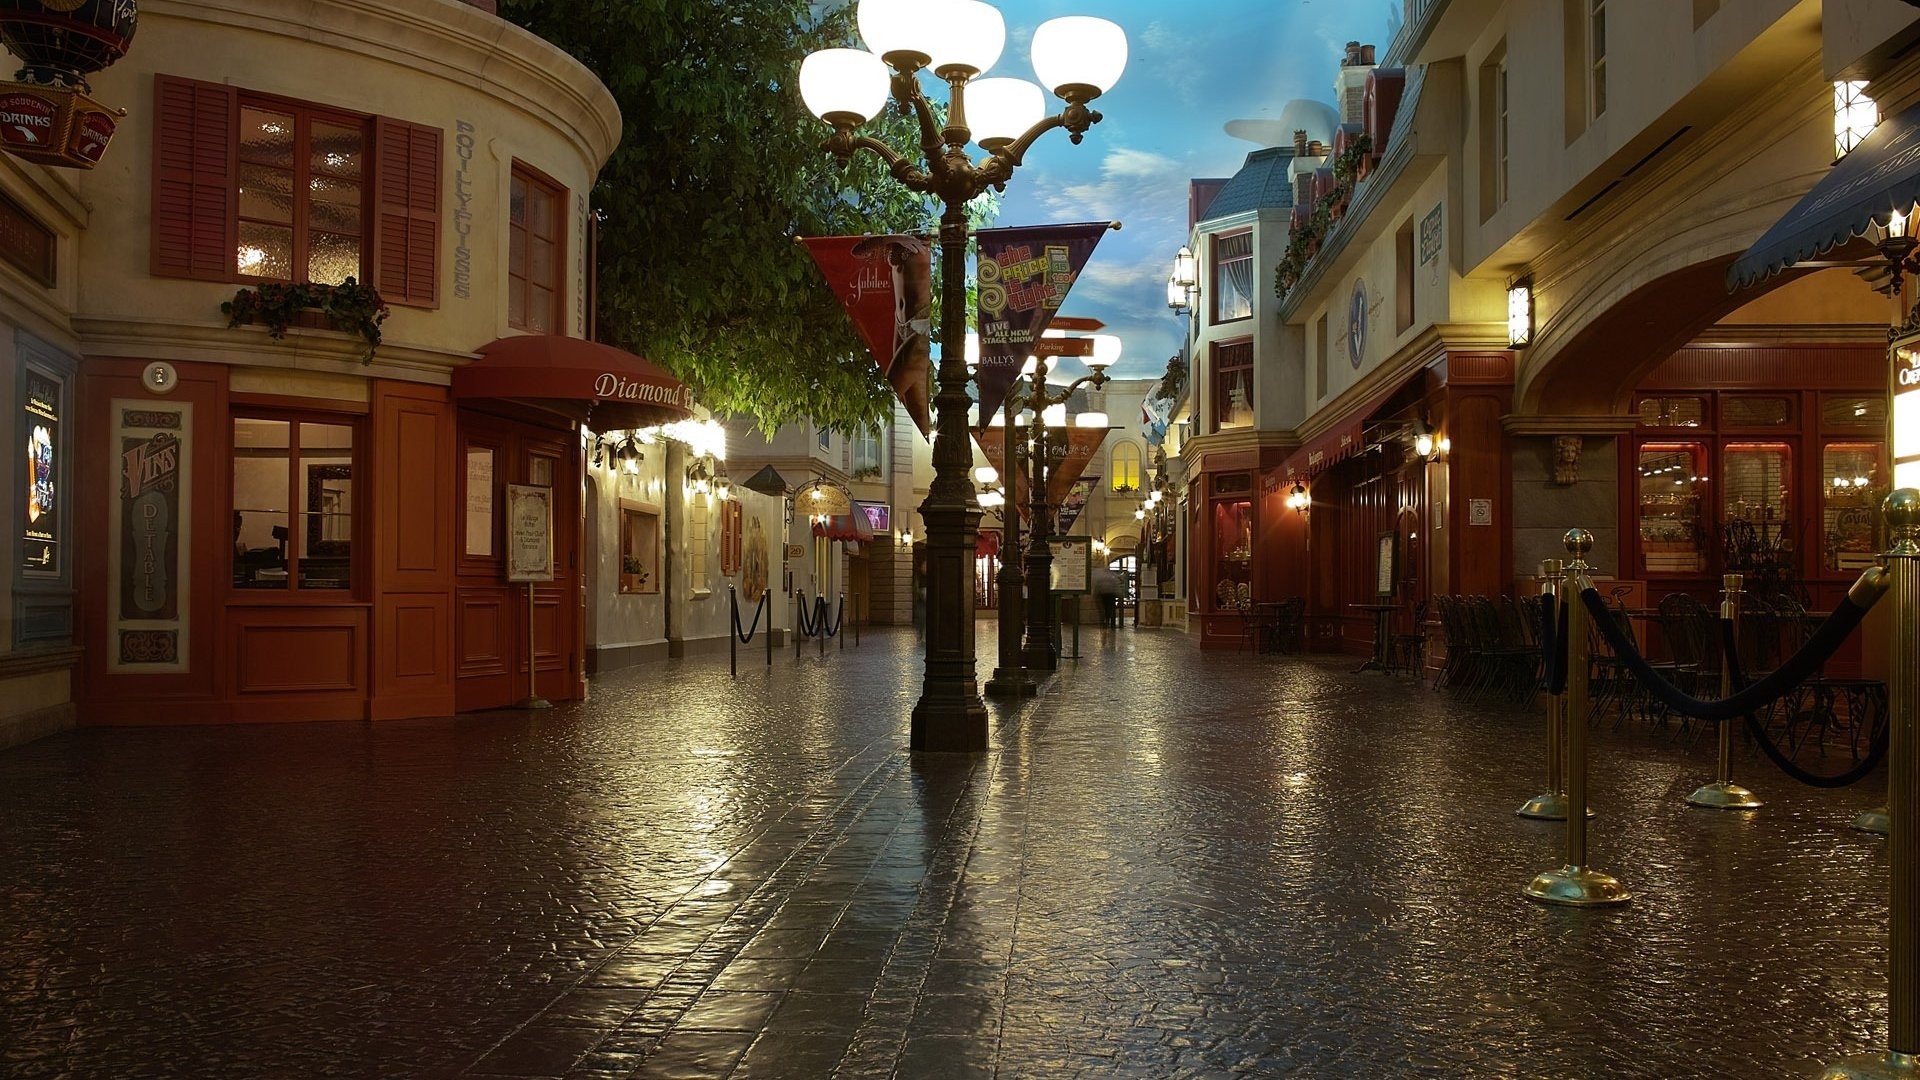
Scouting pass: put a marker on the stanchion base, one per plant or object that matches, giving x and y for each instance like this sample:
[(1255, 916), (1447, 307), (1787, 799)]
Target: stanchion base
[(1874, 821), (1576, 886), (1011, 684), (533, 703), (1551, 806), (1887, 1066), (1723, 795)]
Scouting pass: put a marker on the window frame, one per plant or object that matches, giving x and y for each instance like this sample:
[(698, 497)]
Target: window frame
[(1115, 464), (1501, 137), (294, 417), (304, 114), (1220, 292), (1218, 375), (520, 277), (1596, 75)]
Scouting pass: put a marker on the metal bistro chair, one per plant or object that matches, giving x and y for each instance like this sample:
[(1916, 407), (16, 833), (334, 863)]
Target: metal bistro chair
[(1693, 653), (1410, 649)]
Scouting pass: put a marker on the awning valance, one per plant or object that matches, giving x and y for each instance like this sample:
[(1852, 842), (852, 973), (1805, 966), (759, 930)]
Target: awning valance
[(849, 527), (606, 388), (1880, 176), (1342, 440)]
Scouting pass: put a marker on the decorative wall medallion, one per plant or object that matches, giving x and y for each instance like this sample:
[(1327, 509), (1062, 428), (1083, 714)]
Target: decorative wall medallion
[(1357, 323), (159, 377)]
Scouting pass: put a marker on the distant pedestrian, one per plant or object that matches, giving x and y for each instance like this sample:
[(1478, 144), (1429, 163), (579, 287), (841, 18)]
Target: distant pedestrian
[(1106, 592)]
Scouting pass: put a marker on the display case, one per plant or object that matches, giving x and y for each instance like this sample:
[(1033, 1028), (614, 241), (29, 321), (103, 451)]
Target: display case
[(1232, 535), (1672, 479)]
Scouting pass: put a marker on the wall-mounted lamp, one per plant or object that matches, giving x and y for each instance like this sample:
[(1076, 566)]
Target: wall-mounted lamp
[(1182, 284), (1298, 499), (699, 480), (1423, 444), (906, 537), (723, 485), (1854, 115), (1520, 314)]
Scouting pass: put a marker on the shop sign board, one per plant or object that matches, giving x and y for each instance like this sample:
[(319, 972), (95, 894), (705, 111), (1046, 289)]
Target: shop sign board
[(529, 533), (1906, 412), (879, 516), (25, 243), (150, 525)]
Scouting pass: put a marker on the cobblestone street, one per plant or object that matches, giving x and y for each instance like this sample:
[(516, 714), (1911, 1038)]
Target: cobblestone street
[(1170, 865)]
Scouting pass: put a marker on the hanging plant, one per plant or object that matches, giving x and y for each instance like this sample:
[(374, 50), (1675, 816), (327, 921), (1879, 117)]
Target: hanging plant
[(348, 306)]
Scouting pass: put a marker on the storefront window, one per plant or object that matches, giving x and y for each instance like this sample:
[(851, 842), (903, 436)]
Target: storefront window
[(1232, 537), (1754, 491), (292, 504), (1851, 486), (1668, 412), (1747, 412), (1864, 411), (1672, 478)]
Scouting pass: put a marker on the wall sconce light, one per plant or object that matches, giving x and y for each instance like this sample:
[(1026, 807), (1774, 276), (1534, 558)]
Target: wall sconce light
[(906, 537), (1139, 513), (1520, 314), (1184, 268), (1298, 499), (1423, 444), (723, 485), (698, 479), (1854, 115)]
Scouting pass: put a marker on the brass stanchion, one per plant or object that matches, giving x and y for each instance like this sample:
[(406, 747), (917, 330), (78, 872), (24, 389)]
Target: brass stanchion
[(1552, 804), (1723, 793), (533, 700), (1902, 1056), (1576, 884)]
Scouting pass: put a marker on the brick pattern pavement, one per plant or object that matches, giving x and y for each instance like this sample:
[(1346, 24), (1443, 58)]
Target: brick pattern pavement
[(1171, 865)]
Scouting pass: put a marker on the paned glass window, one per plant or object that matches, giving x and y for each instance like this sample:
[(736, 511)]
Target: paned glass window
[(301, 193), (1852, 483), (1597, 56), (536, 220), (1232, 277), (1747, 412), (1671, 412), (1126, 467), (1672, 479), (293, 502)]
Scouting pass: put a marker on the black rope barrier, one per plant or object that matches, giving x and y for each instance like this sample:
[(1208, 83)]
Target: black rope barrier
[(832, 627), (1797, 669), (747, 637), (1876, 750), (803, 622)]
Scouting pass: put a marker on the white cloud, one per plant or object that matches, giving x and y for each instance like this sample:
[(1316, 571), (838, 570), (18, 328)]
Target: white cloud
[(1138, 187)]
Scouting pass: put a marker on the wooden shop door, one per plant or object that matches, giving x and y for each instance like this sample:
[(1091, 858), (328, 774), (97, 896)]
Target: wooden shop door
[(491, 614)]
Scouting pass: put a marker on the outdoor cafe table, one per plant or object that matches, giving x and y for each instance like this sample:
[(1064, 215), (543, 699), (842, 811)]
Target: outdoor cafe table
[(1382, 614)]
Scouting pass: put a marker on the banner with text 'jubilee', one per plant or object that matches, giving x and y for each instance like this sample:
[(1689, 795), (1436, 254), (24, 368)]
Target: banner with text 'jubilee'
[(886, 285), (1024, 275)]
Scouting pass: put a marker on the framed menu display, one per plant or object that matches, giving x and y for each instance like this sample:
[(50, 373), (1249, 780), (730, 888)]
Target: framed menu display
[(529, 533), (1384, 568), (1072, 564)]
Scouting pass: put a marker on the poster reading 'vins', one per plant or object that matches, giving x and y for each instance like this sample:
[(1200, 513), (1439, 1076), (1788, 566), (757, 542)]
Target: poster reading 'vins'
[(150, 529), (40, 538)]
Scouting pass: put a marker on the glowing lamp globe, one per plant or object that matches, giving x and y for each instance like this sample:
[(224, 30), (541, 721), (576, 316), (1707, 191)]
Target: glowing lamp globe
[(1106, 350), (1001, 110), (969, 36), (901, 32), (1091, 420), (843, 85), (1078, 56)]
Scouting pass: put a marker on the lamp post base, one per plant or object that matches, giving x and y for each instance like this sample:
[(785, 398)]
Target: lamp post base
[(1874, 821), (1576, 886), (1723, 795), (947, 726), (1886, 1066), (1552, 806), (1015, 683)]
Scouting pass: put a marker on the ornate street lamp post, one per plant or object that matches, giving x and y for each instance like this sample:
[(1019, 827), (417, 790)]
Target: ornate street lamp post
[(1079, 58), (1049, 409)]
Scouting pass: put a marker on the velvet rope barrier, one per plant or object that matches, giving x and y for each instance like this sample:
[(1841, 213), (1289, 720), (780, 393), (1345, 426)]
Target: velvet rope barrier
[(801, 621), (1875, 751), (1802, 664), (762, 606), (1553, 645)]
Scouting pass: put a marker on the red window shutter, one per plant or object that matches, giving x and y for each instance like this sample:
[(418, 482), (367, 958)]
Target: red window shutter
[(194, 229), (406, 235)]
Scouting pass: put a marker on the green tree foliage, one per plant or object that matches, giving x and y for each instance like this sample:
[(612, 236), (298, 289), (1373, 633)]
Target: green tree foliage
[(720, 167)]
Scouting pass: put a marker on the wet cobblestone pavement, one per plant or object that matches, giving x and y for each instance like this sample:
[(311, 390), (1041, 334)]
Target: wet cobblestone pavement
[(1169, 866)]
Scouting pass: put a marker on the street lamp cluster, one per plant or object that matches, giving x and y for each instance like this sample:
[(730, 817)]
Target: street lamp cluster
[(1183, 285), (1078, 58)]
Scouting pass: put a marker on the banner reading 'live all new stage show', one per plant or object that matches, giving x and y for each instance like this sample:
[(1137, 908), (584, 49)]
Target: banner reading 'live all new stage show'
[(1024, 275), (886, 285)]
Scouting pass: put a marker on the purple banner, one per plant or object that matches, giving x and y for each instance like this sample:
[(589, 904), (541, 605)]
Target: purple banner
[(1024, 277), (1076, 501)]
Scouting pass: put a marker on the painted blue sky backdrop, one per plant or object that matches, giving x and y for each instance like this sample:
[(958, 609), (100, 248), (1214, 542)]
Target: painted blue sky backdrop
[(1191, 67)]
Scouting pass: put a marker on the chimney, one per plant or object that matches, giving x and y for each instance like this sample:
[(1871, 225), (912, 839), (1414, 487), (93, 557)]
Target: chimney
[(1366, 54), (1299, 142), (1316, 148), (1353, 54)]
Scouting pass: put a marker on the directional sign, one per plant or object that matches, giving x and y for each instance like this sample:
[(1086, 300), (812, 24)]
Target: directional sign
[(1060, 346), (1076, 322)]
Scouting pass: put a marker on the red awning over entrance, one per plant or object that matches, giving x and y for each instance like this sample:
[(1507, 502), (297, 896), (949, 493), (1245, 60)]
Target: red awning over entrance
[(606, 388), (1344, 439), (851, 527)]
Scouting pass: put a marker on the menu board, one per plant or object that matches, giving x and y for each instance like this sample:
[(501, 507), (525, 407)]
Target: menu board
[(529, 533), (40, 538), (1072, 564)]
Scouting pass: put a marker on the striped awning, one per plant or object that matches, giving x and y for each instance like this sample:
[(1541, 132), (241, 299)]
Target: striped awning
[(1879, 178)]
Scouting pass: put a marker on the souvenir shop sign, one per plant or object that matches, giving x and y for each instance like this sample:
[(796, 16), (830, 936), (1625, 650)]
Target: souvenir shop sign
[(886, 285), (150, 523), (55, 126), (1024, 276), (40, 533)]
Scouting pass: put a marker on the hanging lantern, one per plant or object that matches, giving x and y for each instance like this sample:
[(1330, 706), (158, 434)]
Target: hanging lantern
[(47, 115)]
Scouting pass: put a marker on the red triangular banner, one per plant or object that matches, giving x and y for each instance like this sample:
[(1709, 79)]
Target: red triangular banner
[(886, 285)]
